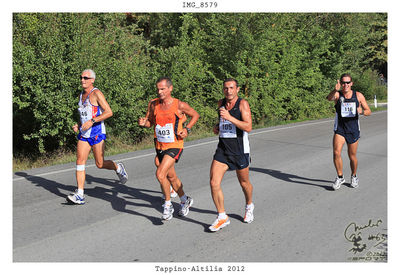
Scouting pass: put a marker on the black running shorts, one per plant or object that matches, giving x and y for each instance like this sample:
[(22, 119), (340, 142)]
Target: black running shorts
[(174, 153), (234, 162)]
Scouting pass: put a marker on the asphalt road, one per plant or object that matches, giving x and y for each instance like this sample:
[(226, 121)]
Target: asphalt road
[(298, 217)]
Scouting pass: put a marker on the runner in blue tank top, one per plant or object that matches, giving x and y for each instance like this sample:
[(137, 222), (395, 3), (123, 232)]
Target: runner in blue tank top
[(348, 105), (93, 110), (233, 151)]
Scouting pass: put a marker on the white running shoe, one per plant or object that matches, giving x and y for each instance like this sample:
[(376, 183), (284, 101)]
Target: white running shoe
[(75, 198), (354, 181), (249, 215), (218, 224), (338, 182), (123, 175), (185, 207), (168, 211)]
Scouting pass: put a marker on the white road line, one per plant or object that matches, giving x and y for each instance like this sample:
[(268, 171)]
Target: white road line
[(290, 127), (74, 168), (186, 147)]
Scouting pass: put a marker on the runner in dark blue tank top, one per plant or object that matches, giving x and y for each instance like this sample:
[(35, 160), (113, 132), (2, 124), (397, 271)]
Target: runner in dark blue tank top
[(346, 119), (232, 152), (233, 141), (348, 105)]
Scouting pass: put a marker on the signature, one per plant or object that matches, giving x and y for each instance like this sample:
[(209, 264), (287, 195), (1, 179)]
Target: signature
[(354, 234), (380, 238)]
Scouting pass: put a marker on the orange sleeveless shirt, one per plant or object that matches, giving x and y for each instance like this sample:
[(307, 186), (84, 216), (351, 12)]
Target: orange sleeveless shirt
[(167, 124)]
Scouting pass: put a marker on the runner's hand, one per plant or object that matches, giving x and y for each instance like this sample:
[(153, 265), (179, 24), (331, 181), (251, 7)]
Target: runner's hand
[(88, 124), (75, 128), (216, 129), (338, 85), (183, 133), (142, 121), (224, 113)]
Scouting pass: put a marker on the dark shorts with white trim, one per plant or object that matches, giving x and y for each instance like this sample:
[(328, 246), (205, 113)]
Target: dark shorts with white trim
[(234, 162)]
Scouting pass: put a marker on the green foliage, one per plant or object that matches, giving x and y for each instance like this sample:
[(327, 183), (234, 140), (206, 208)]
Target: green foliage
[(49, 53), (285, 65), (369, 85)]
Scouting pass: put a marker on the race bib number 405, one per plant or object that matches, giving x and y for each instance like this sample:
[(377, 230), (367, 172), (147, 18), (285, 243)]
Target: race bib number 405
[(227, 129), (165, 133), (348, 109)]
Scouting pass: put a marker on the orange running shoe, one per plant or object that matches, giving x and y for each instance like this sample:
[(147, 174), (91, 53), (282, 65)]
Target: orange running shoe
[(219, 223)]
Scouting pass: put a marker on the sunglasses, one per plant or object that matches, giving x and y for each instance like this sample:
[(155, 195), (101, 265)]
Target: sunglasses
[(84, 77), (345, 82)]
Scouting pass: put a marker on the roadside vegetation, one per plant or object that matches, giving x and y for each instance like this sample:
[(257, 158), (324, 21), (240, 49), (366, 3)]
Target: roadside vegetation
[(115, 145), (285, 65)]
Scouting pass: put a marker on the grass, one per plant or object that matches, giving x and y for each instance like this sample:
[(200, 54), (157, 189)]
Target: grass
[(114, 146), (117, 145)]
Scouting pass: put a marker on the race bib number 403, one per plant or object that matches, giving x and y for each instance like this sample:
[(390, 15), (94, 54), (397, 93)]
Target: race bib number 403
[(165, 133)]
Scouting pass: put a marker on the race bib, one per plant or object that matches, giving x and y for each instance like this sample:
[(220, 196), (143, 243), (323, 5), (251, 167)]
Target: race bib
[(227, 129), (165, 133), (348, 109), (85, 113)]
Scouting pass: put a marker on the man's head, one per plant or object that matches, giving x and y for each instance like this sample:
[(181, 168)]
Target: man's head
[(164, 87), (346, 81), (87, 78), (230, 88)]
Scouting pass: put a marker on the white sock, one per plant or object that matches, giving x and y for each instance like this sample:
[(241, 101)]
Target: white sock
[(248, 206), (167, 203), (222, 215), (80, 192), (119, 169), (183, 198)]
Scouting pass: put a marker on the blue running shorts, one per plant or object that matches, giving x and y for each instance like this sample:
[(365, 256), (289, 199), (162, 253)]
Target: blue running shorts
[(349, 137), (93, 140)]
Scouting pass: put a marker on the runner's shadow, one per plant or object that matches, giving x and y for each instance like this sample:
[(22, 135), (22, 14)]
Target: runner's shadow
[(121, 197), (292, 178), (186, 218), (120, 204), (49, 185), (111, 195)]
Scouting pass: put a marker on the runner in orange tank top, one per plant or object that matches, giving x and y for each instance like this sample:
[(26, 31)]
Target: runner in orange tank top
[(168, 125), (167, 115), (156, 160)]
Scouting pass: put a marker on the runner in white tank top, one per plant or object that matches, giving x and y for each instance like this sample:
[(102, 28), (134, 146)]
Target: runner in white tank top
[(87, 111), (93, 110)]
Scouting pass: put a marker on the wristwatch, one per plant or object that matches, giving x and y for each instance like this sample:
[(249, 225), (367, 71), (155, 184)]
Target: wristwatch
[(188, 130), (94, 121)]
